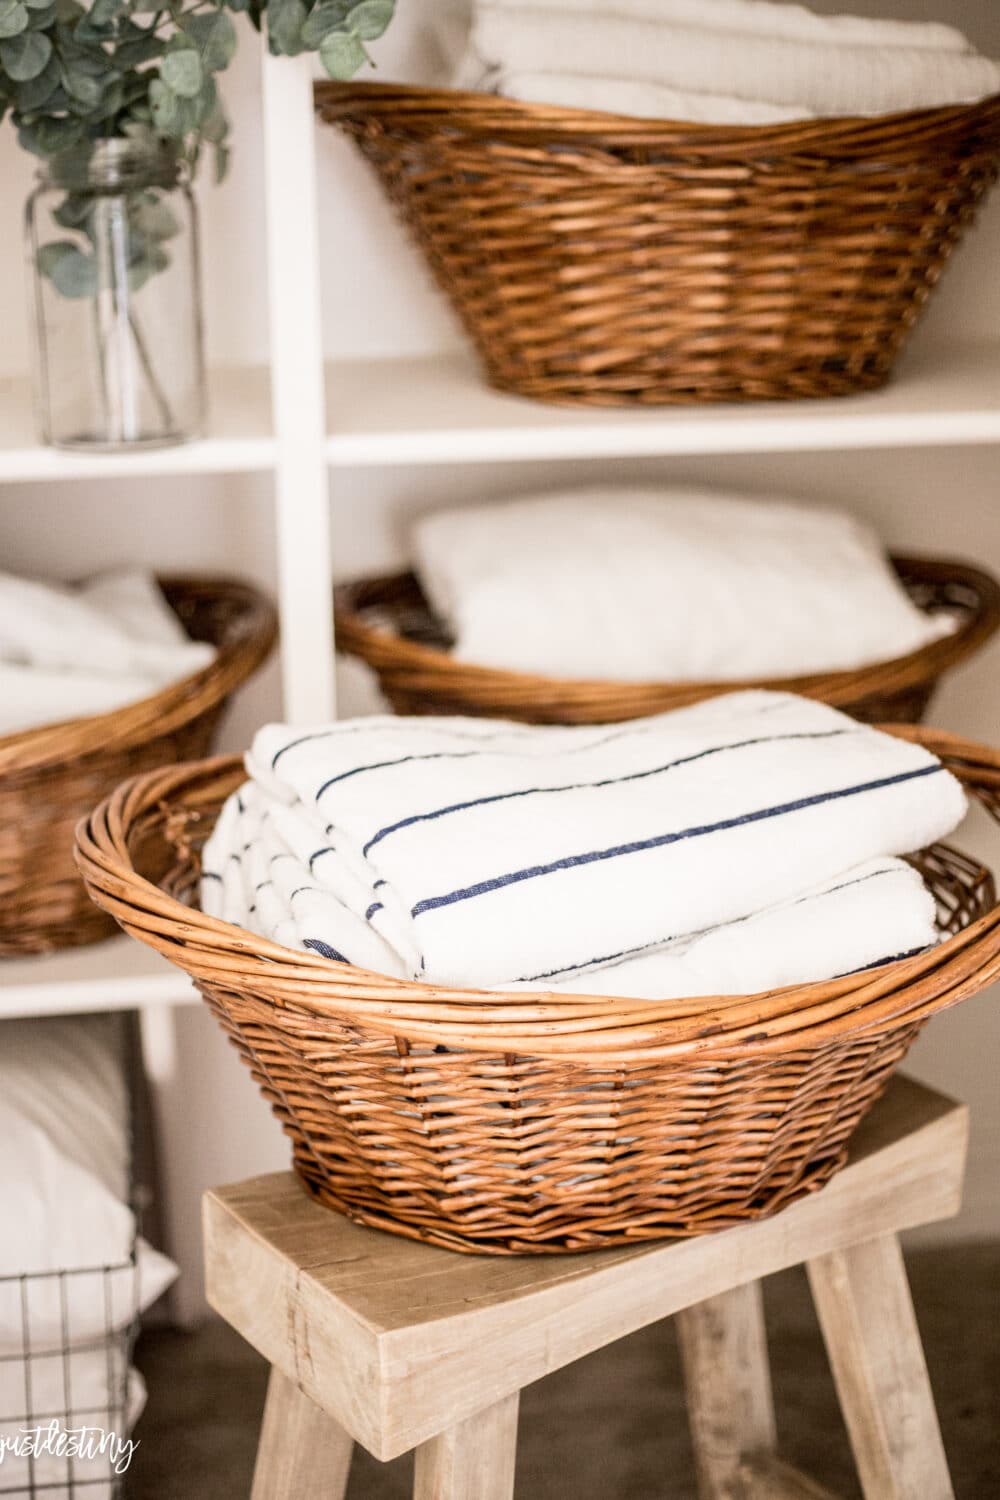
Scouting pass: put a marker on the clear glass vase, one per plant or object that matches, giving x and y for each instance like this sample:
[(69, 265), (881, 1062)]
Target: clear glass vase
[(112, 237)]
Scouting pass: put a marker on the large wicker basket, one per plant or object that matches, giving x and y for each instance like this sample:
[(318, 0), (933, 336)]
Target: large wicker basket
[(539, 1122), (602, 259), (388, 623), (50, 777)]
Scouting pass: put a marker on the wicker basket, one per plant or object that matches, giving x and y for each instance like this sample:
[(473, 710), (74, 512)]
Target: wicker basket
[(388, 623), (601, 259), (539, 1122), (50, 777)]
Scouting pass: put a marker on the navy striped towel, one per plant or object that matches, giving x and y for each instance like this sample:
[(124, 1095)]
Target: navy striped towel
[(634, 859)]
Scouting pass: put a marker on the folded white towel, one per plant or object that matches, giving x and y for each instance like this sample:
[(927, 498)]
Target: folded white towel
[(492, 854), (828, 79), (652, 101), (874, 913), (70, 652), (683, 585), (763, 18)]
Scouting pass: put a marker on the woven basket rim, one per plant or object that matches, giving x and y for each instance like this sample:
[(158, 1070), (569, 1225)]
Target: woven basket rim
[(540, 1023), (386, 648), (239, 651), (494, 115)]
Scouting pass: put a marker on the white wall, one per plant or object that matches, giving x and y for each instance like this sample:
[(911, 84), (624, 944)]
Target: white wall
[(378, 300)]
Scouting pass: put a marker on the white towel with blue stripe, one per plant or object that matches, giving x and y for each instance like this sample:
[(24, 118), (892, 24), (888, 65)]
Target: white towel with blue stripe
[(479, 853)]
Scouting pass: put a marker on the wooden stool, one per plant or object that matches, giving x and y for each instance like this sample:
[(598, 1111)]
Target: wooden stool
[(397, 1345)]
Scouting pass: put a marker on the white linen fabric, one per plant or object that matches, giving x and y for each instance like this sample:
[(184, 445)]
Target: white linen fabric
[(763, 17), (68, 652), (743, 62), (64, 1149), (654, 101), (479, 853), (85, 1388), (640, 584), (821, 78)]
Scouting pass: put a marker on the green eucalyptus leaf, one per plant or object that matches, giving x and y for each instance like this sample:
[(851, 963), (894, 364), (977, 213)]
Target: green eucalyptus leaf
[(71, 271), (13, 18), (182, 72), (215, 37), (82, 85), (42, 20), (342, 54), (162, 104), (74, 211), (37, 92), (26, 55), (370, 18), (285, 19), (47, 136), (328, 16), (153, 217), (135, 52)]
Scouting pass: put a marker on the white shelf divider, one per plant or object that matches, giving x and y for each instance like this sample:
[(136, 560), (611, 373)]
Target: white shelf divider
[(118, 974)]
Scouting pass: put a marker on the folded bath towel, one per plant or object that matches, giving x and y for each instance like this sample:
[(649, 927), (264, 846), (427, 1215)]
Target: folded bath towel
[(763, 18), (651, 101), (70, 652), (492, 854), (677, 585), (832, 78)]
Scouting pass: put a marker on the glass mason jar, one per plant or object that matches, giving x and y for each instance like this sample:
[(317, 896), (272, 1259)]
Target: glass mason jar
[(112, 236)]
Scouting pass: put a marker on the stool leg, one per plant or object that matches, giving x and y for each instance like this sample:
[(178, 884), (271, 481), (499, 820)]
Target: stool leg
[(303, 1454), (728, 1383), (864, 1305), (473, 1460)]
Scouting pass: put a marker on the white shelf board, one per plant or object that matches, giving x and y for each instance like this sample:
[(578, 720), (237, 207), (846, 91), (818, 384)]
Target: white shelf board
[(385, 412), (239, 437), (119, 974)]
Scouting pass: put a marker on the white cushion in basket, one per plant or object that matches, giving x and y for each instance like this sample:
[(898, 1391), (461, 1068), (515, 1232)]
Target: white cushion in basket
[(635, 584)]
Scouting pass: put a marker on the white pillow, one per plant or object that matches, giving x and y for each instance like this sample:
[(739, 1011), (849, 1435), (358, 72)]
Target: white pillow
[(64, 1152), (635, 584)]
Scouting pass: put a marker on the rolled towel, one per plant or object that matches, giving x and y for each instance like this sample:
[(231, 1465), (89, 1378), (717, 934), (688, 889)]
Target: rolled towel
[(488, 853), (763, 18), (677, 585), (654, 101), (829, 79)]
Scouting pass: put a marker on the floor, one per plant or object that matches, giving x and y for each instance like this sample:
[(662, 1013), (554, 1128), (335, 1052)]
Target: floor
[(611, 1427)]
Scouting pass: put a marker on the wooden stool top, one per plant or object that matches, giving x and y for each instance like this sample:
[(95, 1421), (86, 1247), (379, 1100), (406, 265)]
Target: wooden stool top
[(399, 1340)]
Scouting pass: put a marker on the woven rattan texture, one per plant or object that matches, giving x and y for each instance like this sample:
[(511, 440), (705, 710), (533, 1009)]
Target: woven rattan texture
[(51, 777), (599, 259), (388, 624), (537, 1122)]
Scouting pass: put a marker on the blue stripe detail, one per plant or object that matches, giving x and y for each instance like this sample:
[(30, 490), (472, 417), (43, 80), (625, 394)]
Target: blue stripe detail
[(613, 960), (329, 849), (403, 760), (324, 950), (514, 877), (210, 875), (375, 906), (580, 786)]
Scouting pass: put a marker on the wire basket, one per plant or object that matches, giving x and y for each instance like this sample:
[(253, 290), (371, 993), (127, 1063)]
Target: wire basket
[(606, 260), (388, 623), (80, 1384)]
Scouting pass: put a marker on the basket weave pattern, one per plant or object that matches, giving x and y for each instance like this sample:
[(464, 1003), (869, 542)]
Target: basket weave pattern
[(388, 624), (50, 777), (539, 1122), (600, 259)]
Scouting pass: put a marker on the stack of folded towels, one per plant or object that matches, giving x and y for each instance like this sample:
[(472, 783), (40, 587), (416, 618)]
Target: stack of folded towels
[(68, 653), (744, 62), (746, 843)]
